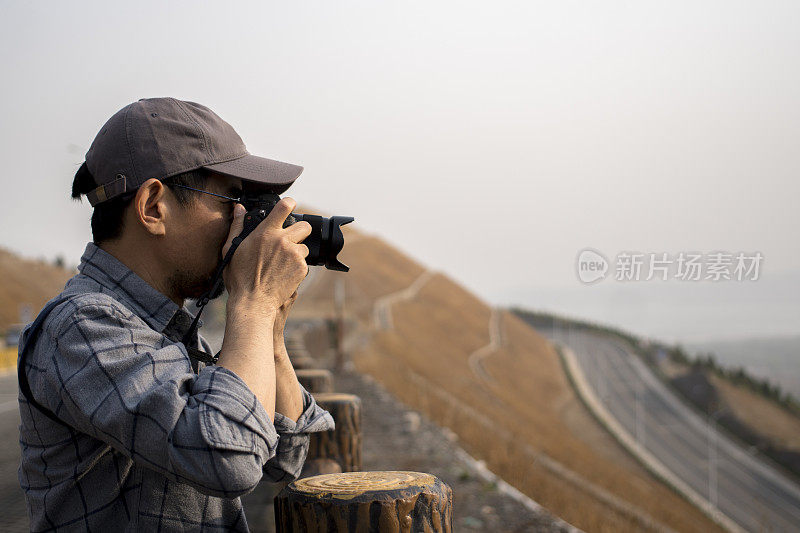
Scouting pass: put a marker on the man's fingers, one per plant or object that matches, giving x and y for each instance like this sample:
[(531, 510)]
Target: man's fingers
[(278, 215), (236, 226), (298, 231), (303, 250)]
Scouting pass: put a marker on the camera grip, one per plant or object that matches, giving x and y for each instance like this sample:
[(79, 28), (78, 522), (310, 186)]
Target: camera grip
[(251, 221), (254, 217)]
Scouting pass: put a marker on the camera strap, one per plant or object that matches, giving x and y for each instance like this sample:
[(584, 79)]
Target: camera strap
[(22, 377)]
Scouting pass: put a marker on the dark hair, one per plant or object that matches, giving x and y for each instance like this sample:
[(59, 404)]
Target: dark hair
[(108, 217)]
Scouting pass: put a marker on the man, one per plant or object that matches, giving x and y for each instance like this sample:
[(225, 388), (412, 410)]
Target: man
[(123, 428)]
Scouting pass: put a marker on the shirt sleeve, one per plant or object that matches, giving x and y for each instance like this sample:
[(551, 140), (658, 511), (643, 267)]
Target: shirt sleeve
[(293, 441), (113, 377)]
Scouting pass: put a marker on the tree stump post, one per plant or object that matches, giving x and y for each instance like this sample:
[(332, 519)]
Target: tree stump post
[(342, 445), (315, 379), (385, 502)]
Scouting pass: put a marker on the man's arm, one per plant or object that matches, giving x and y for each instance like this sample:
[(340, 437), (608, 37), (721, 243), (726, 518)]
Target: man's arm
[(271, 372), (296, 412), (247, 350), (288, 397), (258, 307), (111, 376), (263, 275)]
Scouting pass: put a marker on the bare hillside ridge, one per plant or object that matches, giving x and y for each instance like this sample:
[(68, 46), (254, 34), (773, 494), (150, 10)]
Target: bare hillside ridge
[(26, 283), (504, 393)]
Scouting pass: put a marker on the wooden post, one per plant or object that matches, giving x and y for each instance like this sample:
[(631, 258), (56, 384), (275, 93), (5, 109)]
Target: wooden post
[(338, 297), (315, 379), (388, 502), (343, 444)]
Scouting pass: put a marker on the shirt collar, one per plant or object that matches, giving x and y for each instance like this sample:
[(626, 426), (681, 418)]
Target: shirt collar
[(156, 309)]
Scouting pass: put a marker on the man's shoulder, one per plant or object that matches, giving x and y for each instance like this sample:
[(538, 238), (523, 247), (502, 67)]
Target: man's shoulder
[(81, 300), (78, 312)]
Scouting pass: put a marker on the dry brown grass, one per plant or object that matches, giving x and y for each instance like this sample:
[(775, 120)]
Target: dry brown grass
[(528, 408), (770, 420), (760, 414), (26, 282), (369, 279)]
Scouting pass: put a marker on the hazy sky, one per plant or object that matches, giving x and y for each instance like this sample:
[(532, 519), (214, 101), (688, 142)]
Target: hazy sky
[(489, 140)]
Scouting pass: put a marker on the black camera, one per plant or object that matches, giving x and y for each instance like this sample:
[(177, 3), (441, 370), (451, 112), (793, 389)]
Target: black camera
[(325, 241), (324, 244)]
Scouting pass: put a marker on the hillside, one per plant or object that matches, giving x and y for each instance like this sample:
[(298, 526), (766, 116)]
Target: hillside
[(26, 283), (774, 359), (758, 421), (483, 373), (497, 384)]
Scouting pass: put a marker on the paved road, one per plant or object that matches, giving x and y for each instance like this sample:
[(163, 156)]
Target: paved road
[(13, 515), (751, 493)]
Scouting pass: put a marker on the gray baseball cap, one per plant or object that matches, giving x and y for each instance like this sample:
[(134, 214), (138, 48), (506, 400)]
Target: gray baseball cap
[(163, 137)]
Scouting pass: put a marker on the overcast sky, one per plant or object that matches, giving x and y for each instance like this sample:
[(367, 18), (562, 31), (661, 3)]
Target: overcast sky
[(489, 140)]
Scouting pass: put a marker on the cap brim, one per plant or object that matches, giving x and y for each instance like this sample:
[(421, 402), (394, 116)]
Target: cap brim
[(256, 169)]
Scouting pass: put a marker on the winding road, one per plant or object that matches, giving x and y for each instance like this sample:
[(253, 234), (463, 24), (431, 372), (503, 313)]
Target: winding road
[(745, 489)]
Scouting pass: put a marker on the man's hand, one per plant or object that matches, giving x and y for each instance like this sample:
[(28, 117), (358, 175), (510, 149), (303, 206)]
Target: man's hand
[(263, 275), (269, 264)]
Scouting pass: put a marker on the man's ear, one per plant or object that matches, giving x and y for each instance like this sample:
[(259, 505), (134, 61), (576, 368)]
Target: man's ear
[(151, 207)]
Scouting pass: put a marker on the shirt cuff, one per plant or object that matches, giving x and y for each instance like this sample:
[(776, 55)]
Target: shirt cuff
[(231, 416), (312, 420)]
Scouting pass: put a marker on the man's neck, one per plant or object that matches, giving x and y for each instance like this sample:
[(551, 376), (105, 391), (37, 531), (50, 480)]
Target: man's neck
[(143, 265)]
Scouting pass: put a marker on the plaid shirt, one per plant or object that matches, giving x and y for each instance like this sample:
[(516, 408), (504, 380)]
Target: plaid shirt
[(148, 444)]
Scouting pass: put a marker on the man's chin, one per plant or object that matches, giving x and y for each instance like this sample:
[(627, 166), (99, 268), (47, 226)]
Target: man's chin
[(213, 295), (218, 291), (202, 289)]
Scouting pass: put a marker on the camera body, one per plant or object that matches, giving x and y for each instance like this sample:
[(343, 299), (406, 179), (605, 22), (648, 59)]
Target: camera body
[(325, 241), (324, 244)]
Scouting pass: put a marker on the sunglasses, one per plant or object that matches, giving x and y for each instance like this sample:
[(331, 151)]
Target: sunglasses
[(234, 200)]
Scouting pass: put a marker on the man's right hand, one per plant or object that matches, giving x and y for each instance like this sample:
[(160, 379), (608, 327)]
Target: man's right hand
[(269, 264)]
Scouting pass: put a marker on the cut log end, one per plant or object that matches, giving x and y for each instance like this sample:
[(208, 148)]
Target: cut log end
[(392, 501), (352, 484), (331, 397)]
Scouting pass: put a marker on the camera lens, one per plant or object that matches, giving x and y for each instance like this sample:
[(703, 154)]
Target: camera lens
[(325, 241)]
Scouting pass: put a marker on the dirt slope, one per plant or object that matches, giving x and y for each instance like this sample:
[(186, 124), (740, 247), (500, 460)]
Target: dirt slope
[(519, 414), (771, 420), (25, 282)]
